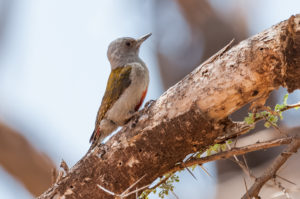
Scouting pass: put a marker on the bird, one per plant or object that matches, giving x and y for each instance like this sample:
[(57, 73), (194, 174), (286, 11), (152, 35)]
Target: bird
[(126, 87)]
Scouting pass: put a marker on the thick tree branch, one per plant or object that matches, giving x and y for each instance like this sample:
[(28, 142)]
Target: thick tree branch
[(189, 116)]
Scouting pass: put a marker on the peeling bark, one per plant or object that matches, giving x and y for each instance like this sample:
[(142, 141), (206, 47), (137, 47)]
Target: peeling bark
[(189, 116)]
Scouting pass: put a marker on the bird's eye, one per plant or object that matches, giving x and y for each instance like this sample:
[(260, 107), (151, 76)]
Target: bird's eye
[(128, 44)]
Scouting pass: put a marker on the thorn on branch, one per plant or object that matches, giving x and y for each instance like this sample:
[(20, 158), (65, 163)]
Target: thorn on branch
[(203, 168), (56, 177), (246, 188), (64, 166), (125, 193), (191, 173), (282, 178)]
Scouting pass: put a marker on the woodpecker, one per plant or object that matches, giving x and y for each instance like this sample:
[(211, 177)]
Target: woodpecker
[(126, 87)]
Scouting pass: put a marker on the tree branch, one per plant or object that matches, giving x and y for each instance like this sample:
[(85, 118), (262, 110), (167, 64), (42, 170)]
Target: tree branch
[(20, 159), (233, 152), (271, 170), (189, 116)]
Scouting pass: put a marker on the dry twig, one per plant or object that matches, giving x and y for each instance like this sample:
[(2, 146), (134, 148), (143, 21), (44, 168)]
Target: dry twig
[(125, 193), (233, 152), (64, 166), (271, 171)]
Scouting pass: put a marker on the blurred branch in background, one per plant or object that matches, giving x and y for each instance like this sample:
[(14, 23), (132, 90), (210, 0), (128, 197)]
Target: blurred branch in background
[(202, 18), (17, 156), (207, 32), (24, 162)]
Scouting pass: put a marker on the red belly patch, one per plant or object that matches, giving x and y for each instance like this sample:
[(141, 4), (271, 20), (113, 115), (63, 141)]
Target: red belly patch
[(142, 99)]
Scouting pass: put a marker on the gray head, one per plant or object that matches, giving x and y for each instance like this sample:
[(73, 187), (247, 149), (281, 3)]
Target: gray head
[(124, 50)]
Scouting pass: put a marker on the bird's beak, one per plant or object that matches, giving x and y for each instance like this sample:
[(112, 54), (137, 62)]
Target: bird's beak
[(142, 39)]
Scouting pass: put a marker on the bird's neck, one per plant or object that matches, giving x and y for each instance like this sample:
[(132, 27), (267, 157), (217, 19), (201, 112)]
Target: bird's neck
[(122, 62)]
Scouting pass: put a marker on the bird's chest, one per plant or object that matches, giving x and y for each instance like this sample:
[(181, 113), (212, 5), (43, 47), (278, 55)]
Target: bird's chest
[(123, 108)]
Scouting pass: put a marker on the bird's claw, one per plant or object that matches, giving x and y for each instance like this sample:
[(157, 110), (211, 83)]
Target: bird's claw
[(149, 103), (134, 116)]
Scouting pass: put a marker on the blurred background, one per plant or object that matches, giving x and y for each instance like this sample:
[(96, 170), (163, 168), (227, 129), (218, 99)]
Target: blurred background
[(53, 73)]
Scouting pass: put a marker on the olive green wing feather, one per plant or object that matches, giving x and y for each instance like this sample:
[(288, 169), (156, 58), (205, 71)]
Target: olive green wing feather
[(118, 81)]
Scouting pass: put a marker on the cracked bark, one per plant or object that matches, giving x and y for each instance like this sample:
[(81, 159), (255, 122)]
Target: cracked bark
[(189, 116)]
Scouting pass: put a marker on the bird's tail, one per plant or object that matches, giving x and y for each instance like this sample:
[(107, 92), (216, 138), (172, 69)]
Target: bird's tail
[(95, 138)]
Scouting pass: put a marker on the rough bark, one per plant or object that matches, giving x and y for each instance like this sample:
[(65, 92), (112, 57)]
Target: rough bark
[(20, 159), (189, 116)]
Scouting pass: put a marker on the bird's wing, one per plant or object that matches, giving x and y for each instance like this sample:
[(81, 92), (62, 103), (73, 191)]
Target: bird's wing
[(117, 82)]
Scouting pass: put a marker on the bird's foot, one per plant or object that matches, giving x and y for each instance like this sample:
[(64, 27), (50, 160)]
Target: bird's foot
[(103, 148), (134, 116), (99, 145), (149, 103)]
